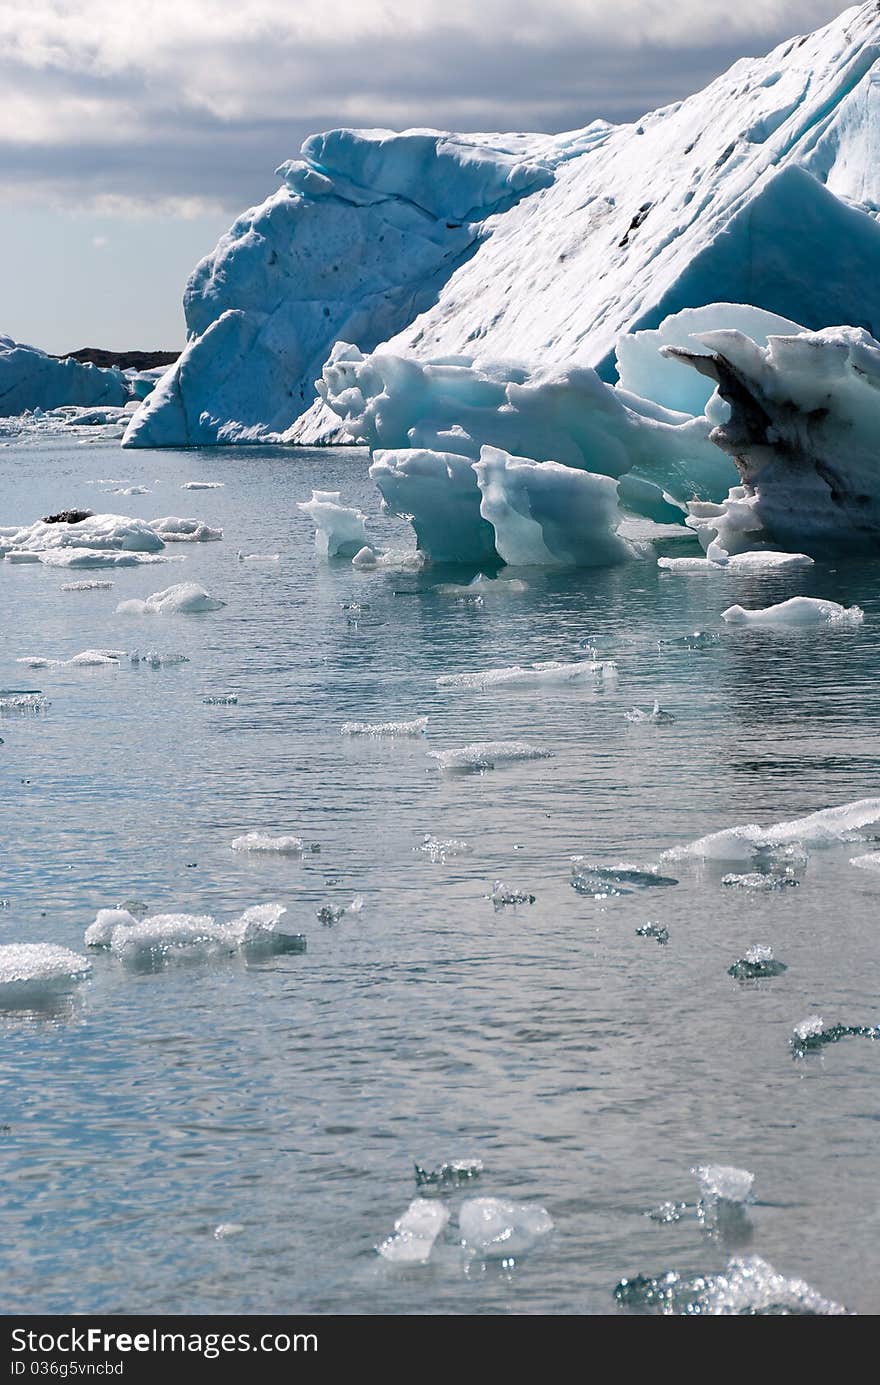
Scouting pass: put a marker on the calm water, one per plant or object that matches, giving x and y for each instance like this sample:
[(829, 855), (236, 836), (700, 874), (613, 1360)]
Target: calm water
[(587, 1067)]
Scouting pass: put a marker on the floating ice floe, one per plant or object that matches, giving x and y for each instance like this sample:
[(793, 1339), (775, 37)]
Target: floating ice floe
[(438, 848), (602, 881), (449, 1175), (502, 895), (757, 964), (415, 1232), (723, 1182), (227, 1229), (417, 727), (550, 673), (262, 842), (85, 540), (657, 931), (202, 485), (23, 702), (174, 529), (492, 1228), (30, 972), (757, 880), (753, 561), (798, 610), (186, 598), (813, 1034), (340, 530), (657, 715), (332, 913), (482, 587), (87, 586), (782, 842), (748, 1286), (368, 558), (483, 755), (89, 658), (160, 939), (870, 861)]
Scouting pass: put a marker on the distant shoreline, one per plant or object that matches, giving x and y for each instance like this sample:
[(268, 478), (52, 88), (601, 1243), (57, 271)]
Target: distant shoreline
[(125, 360)]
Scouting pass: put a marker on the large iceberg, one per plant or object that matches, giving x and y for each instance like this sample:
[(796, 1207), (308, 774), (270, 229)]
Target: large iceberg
[(547, 248), (30, 379)]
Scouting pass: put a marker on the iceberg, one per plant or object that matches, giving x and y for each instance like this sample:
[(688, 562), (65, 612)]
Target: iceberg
[(31, 379), (340, 530), (186, 598), (174, 529), (544, 247)]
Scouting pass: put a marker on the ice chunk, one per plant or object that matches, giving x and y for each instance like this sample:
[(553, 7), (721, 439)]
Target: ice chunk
[(449, 1175), (723, 1182), (816, 829), (657, 715), (340, 530), (95, 586), (813, 1034), (700, 639), (870, 861), (483, 755), (100, 933), (221, 700), (438, 848), (259, 557), (602, 881), (482, 587), (438, 493), (32, 971), (154, 659), (31, 379), (756, 880), (202, 485), (748, 1286), (654, 930), (417, 727), (23, 702), (227, 1229), (89, 658), (758, 963), (174, 529), (263, 842), (415, 1232), (755, 560), (492, 1228), (108, 535), (160, 939), (331, 913), (503, 895), (798, 610), (186, 598), (529, 675)]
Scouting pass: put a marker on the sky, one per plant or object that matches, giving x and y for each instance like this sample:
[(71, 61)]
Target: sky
[(131, 136)]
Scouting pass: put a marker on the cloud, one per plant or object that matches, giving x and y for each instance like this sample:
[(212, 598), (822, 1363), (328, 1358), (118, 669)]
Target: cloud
[(199, 105)]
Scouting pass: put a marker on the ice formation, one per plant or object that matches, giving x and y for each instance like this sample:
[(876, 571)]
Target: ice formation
[(332, 913), (174, 529), (23, 702), (160, 939), (30, 379), (417, 727), (202, 485), (437, 849), (492, 1228), (723, 1182), (870, 861), (483, 755), (186, 598), (100, 933), (415, 1232), (548, 247), (33, 971), (755, 560), (812, 1034), (93, 541), (262, 842), (798, 610), (503, 895), (749, 1286), (551, 673), (449, 1175), (89, 658), (340, 530), (86, 586), (778, 841), (602, 881), (657, 931)]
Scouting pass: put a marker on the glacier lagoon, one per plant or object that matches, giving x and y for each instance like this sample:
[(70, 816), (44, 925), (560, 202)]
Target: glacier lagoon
[(239, 1133)]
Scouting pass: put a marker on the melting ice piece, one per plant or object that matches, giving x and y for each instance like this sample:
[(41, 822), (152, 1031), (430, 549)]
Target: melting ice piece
[(757, 963), (528, 675), (417, 727), (156, 660), (202, 485), (799, 610), (657, 715), (755, 880), (450, 1175), (156, 941), (89, 658), (783, 841), (494, 1229), (502, 895), (813, 1033), (340, 530), (870, 861), (482, 587), (332, 913), (654, 930), (174, 529), (758, 560), (100, 933), (23, 702), (415, 1232), (95, 586), (601, 881), (262, 842), (483, 755), (227, 1229), (438, 848), (32, 971), (224, 700), (748, 1286), (724, 1182), (186, 598), (700, 639), (258, 557)]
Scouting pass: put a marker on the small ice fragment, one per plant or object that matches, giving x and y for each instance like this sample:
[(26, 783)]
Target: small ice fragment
[(263, 842), (86, 586), (503, 895), (23, 702), (186, 598), (813, 1033), (174, 529), (485, 755), (700, 639), (415, 1232), (100, 933), (449, 1175), (798, 610), (482, 587), (258, 557), (221, 700), (723, 1182), (657, 715), (668, 1212), (494, 1229), (417, 727), (331, 913), (749, 1286), (526, 675), (202, 485), (654, 930), (438, 848), (156, 660), (33, 971), (227, 1229), (755, 880), (365, 558), (757, 963)]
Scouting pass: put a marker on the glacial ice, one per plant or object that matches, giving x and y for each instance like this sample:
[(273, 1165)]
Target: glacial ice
[(723, 1182), (329, 914), (160, 939), (483, 755), (415, 1232), (659, 931), (756, 880), (754, 560), (340, 530), (32, 971), (749, 1286), (100, 933), (492, 1228), (437, 849), (417, 727), (602, 881), (174, 529), (503, 895), (30, 379), (812, 1034), (95, 541), (798, 610), (186, 598), (86, 586), (202, 485), (550, 673), (284, 845), (22, 702), (747, 842), (89, 658), (438, 492), (758, 964)]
